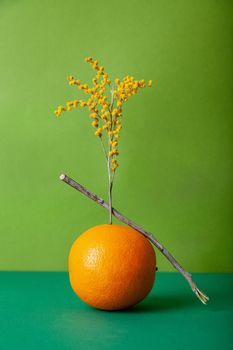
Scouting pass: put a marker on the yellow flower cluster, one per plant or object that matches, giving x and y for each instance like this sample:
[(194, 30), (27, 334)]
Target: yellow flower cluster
[(105, 115), (127, 88)]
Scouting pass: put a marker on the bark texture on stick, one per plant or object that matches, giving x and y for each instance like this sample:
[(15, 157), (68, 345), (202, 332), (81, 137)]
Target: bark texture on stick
[(203, 298)]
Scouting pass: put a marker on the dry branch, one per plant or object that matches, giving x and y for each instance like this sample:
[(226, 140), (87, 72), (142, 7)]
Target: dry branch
[(203, 298)]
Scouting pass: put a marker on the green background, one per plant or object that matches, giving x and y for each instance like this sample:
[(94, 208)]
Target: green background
[(175, 175)]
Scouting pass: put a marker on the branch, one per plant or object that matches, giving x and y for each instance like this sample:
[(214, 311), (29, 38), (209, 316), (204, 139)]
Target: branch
[(203, 298)]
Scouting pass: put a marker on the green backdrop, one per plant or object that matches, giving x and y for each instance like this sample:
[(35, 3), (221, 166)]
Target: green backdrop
[(175, 174)]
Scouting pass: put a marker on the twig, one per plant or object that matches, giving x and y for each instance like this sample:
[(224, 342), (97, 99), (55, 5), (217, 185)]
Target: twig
[(203, 298)]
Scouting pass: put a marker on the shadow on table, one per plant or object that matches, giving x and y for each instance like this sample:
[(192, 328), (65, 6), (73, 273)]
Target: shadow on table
[(156, 303)]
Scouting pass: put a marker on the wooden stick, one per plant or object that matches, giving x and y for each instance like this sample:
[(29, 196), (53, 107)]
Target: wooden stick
[(203, 298)]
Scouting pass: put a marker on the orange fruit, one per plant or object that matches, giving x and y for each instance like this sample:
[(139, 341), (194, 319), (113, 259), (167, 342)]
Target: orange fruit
[(112, 267)]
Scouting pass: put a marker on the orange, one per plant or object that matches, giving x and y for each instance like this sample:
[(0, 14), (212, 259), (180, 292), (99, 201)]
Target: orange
[(112, 267)]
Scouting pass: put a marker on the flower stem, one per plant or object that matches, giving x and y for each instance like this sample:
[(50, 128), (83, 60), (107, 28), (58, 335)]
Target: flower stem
[(110, 184), (104, 150), (110, 177)]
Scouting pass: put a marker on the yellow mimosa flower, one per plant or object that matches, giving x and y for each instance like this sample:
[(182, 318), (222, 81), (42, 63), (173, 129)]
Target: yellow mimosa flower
[(82, 103), (98, 132), (95, 124), (105, 103)]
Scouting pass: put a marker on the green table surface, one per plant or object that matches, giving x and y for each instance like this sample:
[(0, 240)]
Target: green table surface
[(38, 310)]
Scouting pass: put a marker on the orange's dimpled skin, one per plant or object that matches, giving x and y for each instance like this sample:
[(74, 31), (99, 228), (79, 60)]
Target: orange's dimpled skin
[(112, 267)]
